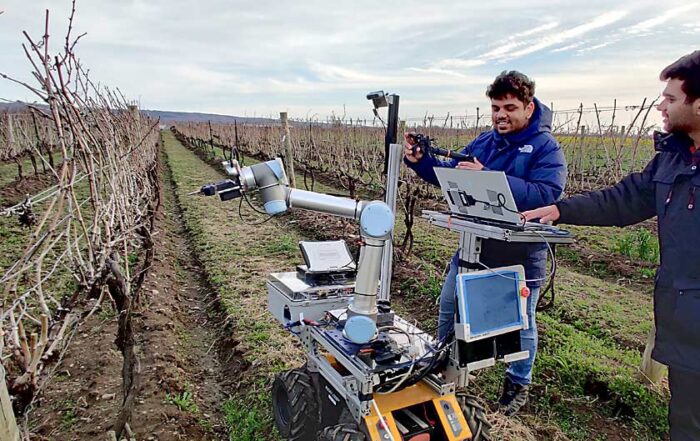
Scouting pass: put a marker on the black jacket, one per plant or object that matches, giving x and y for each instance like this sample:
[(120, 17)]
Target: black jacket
[(667, 188)]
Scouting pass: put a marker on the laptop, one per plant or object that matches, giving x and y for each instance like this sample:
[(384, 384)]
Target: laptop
[(479, 194)]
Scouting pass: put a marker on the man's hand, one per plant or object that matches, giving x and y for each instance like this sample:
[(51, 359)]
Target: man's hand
[(546, 215), (408, 149), (466, 165)]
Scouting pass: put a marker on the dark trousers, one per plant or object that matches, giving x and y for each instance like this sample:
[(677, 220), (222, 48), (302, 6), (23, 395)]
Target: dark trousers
[(684, 411)]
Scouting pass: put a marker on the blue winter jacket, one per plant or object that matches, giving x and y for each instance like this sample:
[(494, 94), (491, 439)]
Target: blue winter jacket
[(536, 170)]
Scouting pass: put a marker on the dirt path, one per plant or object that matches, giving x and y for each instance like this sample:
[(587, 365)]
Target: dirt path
[(183, 381)]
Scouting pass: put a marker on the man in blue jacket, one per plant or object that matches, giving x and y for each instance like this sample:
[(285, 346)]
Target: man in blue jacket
[(667, 188), (521, 145)]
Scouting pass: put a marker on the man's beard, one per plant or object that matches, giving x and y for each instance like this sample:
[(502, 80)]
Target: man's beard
[(679, 127)]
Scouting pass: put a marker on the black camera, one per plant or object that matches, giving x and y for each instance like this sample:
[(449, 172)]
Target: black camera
[(426, 146), (378, 99), (420, 140)]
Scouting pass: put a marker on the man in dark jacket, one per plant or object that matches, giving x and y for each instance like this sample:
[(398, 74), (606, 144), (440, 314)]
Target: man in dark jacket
[(666, 188), (522, 146)]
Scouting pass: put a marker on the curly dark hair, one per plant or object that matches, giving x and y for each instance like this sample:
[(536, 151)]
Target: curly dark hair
[(687, 69), (512, 83)]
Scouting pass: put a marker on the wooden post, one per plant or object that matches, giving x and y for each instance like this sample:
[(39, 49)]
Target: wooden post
[(211, 139), (134, 110), (288, 156), (623, 133), (13, 145), (579, 159), (8, 425), (10, 131)]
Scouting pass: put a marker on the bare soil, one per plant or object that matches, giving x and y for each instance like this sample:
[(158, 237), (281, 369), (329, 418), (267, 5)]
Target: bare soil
[(184, 351), (17, 190)]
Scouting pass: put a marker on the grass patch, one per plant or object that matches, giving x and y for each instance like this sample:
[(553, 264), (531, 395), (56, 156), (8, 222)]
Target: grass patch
[(237, 257), (106, 312), (184, 401), (184, 336), (285, 245), (430, 287), (68, 414), (68, 419), (8, 170), (581, 365), (251, 418), (639, 244)]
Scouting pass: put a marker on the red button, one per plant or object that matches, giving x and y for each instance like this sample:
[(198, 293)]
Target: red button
[(525, 292)]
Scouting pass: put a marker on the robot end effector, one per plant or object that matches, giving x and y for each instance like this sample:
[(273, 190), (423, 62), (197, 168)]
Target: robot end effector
[(267, 177)]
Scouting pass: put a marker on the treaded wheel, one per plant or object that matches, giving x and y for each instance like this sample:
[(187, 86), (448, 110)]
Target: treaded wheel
[(475, 415), (341, 432), (295, 406)]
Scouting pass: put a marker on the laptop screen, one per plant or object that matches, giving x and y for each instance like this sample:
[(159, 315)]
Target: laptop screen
[(480, 194)]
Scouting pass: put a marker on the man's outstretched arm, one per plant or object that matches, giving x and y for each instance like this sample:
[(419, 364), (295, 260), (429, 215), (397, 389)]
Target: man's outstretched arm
[(628, 202)]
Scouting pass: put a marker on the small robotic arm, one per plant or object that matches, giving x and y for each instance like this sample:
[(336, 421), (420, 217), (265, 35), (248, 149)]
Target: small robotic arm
[(375, 218)]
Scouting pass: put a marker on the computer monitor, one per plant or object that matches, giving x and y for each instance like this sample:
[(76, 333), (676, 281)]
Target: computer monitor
[(490, 303)]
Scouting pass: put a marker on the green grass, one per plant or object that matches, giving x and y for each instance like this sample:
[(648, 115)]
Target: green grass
[(421, 288), (184, 401), (13, 240), (66, 408), (285, 245), (250, 417), (8, 170), (639, 244), (68, 419), (106, 312), (184, 336), (237, 261), (619, 314), (636, 243), (582, 365)]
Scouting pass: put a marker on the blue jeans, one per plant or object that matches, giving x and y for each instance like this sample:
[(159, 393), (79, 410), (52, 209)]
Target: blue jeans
[(520, 372)]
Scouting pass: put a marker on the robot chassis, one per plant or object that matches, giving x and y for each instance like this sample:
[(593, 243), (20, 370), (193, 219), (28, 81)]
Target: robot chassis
[(370, 374)]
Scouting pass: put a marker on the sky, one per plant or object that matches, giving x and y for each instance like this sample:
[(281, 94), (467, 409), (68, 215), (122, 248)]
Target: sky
[(317, 58)]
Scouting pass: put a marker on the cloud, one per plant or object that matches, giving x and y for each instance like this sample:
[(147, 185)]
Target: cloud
[(641, 29), (542, 37), (547, 41), (500, 52), (595, 47), (646, 25), (569, 47), (260, 56)]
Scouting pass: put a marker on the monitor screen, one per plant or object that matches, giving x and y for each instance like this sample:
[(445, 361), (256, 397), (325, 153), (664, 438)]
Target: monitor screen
[(489, 302)]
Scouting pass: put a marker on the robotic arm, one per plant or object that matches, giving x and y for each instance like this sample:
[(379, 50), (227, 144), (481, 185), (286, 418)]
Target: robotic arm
[(375, 218)]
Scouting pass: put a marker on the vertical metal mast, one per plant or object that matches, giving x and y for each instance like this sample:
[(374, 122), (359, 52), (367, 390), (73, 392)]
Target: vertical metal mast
[(392, 164)]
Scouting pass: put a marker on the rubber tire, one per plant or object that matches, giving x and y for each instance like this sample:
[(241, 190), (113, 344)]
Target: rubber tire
[(475, 415), (294, 405), (341, 432)]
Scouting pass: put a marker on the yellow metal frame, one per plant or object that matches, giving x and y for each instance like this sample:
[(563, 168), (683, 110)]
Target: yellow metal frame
[(410, 396)]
